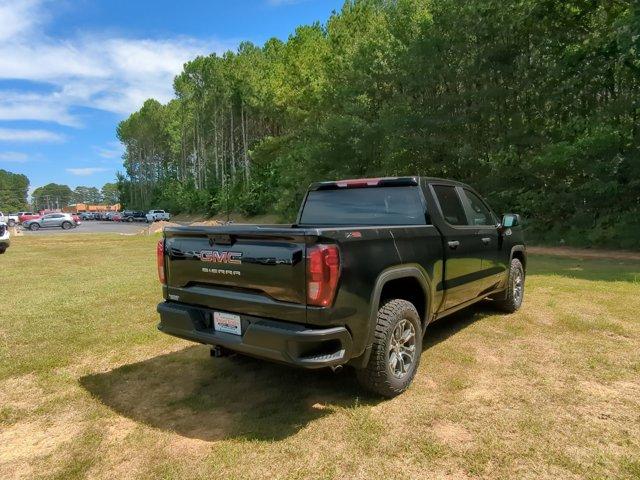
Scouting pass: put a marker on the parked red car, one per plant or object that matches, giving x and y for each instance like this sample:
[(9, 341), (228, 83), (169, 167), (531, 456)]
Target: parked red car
[(24, 216), (116, 217), (76, 218)]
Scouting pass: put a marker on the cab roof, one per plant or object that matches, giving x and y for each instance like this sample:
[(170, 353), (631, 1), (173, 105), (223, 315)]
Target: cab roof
[(380, 182)]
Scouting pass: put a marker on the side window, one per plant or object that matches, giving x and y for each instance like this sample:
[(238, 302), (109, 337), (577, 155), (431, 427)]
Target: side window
[(480, 214), (450, 205)]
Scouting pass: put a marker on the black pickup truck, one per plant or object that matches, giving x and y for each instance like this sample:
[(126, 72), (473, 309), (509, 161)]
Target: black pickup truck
[(133, 216), (356, 280)]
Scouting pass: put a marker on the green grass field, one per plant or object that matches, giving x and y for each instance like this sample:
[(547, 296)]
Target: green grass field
[(89, 387)]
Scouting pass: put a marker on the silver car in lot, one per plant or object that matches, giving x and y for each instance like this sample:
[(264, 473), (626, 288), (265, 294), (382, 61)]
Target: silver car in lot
[(52, 220)]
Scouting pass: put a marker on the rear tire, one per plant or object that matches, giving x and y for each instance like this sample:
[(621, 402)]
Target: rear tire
[(396, 350), (2, 250), (515, 289), (33, 227), (11, 223), (66, 225)]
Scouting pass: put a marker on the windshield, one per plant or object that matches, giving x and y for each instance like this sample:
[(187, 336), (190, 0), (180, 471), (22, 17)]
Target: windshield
[(364, 206)]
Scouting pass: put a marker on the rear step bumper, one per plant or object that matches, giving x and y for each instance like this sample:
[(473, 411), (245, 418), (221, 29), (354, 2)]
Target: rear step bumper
[(284, 342)]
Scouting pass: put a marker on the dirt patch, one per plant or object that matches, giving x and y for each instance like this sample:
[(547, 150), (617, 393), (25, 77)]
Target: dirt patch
[(23, 442), (206, 223), (187, 218), (453, 434), (256, 220), (19, 392), (157, 227), (607, 393), (585, 253)]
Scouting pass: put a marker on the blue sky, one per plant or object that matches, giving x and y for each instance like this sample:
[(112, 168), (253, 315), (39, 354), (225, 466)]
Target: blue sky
[(70, 70)]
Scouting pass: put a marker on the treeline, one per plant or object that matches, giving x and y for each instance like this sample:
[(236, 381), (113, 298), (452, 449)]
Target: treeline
[(54, 196), (533, 102), (14, 188)]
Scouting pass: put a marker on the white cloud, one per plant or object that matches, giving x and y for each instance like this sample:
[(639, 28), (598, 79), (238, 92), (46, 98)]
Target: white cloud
[(86, 171), (17, 135), (112, 150), (18, 17), (17, 157), (112, 74), (36, 106)]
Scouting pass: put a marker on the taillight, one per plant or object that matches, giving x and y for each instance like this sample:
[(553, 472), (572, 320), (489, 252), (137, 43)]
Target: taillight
[(323, 271), (160, 261)]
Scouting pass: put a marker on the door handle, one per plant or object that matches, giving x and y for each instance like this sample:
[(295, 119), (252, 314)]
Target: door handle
[(454, 244), (486, 240)]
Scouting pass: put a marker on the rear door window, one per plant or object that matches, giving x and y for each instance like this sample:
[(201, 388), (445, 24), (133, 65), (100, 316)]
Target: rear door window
[(450, 205)]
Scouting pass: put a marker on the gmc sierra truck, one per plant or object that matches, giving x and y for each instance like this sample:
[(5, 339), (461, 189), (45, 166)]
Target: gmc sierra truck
[(355, 281)]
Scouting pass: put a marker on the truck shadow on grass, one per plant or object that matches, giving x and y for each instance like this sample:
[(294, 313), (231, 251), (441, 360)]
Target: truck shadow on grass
[(236, 397)]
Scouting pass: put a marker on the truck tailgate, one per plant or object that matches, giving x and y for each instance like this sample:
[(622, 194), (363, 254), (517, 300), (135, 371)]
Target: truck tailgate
[(236, 268)]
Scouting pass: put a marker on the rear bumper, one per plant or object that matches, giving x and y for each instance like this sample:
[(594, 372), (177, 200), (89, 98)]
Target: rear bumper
[(283, 342)]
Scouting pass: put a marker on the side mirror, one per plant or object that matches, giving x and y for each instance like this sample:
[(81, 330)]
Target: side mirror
[(510, 220)]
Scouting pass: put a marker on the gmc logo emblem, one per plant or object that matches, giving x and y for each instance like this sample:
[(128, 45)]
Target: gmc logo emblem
[(214, 256)]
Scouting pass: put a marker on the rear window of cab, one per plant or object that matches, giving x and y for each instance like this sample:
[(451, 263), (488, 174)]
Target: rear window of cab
[(364, 206)]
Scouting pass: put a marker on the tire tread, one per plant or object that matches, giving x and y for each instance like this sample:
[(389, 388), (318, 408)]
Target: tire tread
[(375, 375)]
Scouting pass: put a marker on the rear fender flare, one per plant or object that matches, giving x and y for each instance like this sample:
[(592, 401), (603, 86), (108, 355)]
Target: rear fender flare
[(395, 273)]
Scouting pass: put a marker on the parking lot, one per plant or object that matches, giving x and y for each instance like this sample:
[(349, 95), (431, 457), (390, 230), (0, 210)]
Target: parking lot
[(91, 226)]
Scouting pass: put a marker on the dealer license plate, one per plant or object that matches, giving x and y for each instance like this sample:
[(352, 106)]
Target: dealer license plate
[(227, 323)]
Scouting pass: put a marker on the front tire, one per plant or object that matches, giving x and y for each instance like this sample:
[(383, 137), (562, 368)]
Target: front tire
[(34, 226), (515, 289), (66, 225), (11, 223), (396, 350)]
